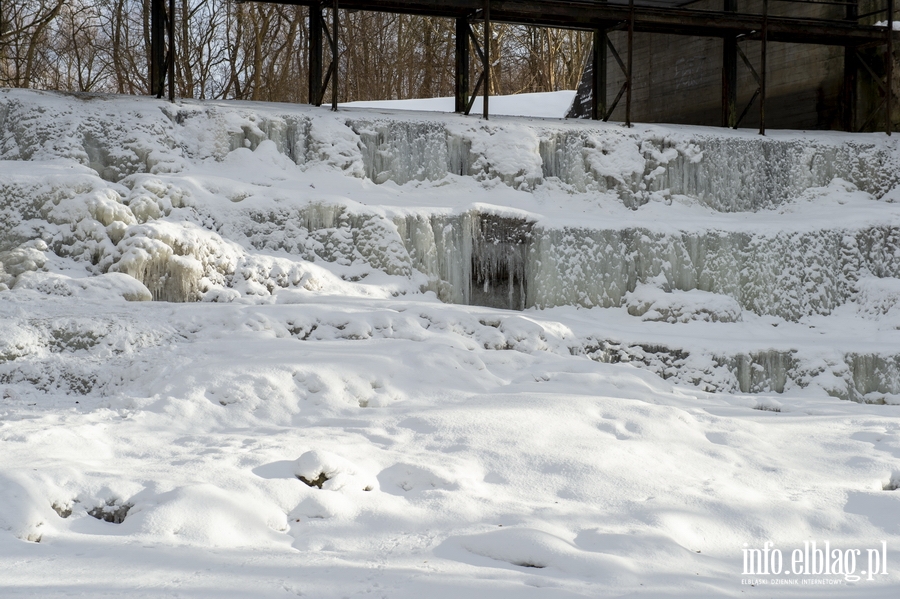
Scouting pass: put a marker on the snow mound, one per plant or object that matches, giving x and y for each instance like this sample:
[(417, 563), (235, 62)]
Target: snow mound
[(655, 304), (25, 513), (331, 472), (878, 297), (208, 516), (536, 549), (402, 479), (109, 285)]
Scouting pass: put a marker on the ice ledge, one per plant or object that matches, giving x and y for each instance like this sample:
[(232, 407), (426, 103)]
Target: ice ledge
[(725, 170)]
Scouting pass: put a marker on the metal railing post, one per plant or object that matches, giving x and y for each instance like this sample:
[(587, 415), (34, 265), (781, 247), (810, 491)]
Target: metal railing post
[(762, 69)]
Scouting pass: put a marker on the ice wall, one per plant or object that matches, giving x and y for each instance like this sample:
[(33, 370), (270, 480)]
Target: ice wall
[(468, 256), (118, 185), (861, 377), (782, 273), (137, 216), (484, 258), (487, 259), (727, 171)]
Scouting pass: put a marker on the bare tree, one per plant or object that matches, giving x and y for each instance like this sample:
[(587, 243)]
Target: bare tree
[(259, 51), (23, 38)]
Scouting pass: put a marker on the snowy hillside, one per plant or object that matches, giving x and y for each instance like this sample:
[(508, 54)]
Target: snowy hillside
[(405, 354)]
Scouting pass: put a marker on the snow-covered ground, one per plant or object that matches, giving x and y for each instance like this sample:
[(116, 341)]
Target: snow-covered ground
[(551, 105), (328, 407)]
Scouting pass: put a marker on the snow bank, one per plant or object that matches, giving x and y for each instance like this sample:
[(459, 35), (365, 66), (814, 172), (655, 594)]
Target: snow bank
[(205, 515), (653, 303)]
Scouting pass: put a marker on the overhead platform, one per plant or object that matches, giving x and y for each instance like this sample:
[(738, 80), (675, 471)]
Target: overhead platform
[(654, 16), (821, 22)]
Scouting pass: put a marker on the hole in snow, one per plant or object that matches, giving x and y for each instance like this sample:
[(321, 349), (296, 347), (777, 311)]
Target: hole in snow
[(528, 565), (63, 510), (111, 512), (316, 482)]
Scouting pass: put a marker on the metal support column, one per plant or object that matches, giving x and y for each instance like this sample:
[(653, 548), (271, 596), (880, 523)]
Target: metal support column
[(162, 48), (157, 47), (170, 56), (334, 56), (487, 56), (729, 74), (629, 79), (315, 55), (851, 71), (462, 64), (482, 77), (889, 69), (598, 75), (624, 68), (762, 68)]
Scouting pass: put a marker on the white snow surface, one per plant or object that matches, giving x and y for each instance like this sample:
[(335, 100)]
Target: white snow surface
[(310, 408), (551, 104)]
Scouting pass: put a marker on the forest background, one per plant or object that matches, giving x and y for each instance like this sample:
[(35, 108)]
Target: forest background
[(227, 49)]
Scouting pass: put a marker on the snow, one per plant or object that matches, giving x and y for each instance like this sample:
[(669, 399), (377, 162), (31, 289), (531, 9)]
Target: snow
[(553, 104), (654, 303), (406, 354)]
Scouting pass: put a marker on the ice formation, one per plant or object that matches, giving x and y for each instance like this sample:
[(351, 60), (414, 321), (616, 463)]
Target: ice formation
[(671, 225)]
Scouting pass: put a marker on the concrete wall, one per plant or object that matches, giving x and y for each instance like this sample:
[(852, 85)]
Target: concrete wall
[(679, 79)]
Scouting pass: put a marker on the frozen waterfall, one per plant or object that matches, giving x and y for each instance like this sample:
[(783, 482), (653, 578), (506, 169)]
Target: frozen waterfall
[(666, 224)]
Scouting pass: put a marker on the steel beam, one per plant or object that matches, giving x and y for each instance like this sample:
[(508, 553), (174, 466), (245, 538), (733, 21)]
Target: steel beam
[(162, 48), (581, 14), (319, 34), (604, 16), (486, 57), (756, 78), (473, 93), (170, 54), (729, 74), (629, 80), (618, 59), (315, 54), (598, 75), (851, 71), (889, 68), (462, 64), (762, 68), (157, 47), (334, 56)]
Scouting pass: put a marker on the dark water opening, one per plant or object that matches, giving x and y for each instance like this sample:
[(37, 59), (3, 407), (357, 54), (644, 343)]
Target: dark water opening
[(500, 248)]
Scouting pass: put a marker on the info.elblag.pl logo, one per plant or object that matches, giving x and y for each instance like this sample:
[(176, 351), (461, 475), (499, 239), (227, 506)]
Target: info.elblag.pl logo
[(814, 560)]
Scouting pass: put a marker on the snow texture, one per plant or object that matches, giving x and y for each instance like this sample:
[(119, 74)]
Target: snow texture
[(412, 354)]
